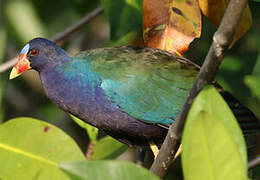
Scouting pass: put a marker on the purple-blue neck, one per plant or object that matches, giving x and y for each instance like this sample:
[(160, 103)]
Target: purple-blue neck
[(50, 55)]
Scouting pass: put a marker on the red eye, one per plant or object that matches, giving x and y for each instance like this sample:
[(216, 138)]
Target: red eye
[(34, 52)]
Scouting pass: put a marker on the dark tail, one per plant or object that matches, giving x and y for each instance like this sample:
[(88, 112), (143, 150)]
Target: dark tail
[(246, 119)]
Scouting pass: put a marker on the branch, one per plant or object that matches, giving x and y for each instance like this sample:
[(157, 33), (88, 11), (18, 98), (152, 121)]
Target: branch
[(61, 37), (253, 163), (221, 41)]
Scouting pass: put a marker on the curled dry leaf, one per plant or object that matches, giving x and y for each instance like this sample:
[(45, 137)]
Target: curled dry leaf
[(171, 25)]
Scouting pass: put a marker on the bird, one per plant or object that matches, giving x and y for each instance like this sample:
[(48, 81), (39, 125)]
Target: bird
[(131, 93)]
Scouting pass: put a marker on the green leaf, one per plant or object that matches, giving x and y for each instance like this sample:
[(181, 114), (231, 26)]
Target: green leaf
[(213, 144), (91, 130), (108, 170), (253, 83), (32, 149), (256, 70), (124, 16), (108, 148)]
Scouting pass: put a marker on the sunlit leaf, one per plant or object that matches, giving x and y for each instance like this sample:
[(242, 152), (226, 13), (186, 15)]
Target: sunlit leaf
[(91, 130), (108, 148), (213, 144), (171, 25), (32, 149), (108, 170), (215, 9)]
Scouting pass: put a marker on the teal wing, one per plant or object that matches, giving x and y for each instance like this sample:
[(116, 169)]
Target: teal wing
[(148, 84)]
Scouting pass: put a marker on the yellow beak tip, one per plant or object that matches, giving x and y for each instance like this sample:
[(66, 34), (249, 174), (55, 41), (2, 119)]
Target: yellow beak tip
[(14, 73)]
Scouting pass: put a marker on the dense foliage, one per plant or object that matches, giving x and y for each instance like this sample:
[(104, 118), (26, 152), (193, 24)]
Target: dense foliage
[(213, 144)]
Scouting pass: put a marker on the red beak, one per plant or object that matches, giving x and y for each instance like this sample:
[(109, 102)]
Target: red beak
[(21, 66)]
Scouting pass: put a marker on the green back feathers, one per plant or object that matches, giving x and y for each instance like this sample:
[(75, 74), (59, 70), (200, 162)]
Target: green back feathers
[(148, 84)]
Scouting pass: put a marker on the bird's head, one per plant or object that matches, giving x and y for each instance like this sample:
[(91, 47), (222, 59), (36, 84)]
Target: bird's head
[(38, 54)]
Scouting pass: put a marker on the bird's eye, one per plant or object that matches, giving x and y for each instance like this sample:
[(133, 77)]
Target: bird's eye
[(34, 52)]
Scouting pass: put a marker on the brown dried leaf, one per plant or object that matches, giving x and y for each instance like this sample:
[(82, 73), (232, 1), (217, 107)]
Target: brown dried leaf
[(171, 25)]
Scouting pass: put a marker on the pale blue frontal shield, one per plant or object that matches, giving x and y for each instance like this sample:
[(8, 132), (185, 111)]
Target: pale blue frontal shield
[(25, 49)]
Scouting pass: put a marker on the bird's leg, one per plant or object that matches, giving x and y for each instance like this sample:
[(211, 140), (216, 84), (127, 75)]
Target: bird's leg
[(141, 155), (154, 148), (178, 151)]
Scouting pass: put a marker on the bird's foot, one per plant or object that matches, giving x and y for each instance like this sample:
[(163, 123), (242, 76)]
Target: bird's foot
[(178, 152), (154, 148)]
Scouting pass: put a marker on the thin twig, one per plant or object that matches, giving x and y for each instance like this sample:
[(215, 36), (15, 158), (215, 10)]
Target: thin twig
[(61, 37), (253, 163), (221, 41)]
